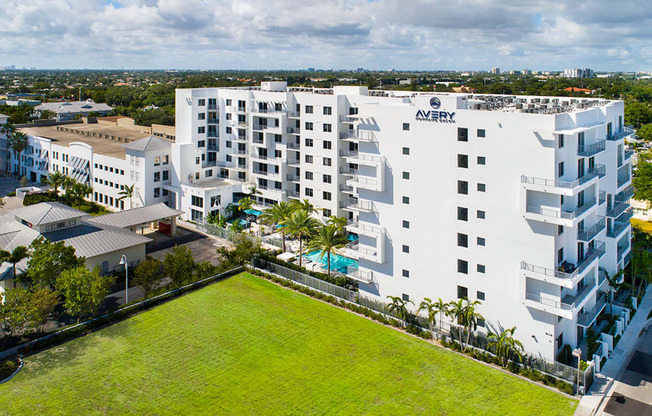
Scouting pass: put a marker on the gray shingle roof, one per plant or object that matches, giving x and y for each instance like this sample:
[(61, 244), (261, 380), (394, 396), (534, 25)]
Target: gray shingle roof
[(47, 213), (148, 143), (136, 216)]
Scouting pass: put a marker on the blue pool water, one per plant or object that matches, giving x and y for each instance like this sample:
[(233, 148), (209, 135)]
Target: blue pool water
[(339, 263)]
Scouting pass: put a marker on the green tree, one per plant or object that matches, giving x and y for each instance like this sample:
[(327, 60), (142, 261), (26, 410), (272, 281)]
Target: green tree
[(18, 143), (637, 114), (19, 253), (327, 240), (179, 265), (645, 132), (128, 192), (613, 282), (77, 192), (277, 215), (242, 253), (55, 180), (464, 313), (26, 310), (398, 308), (147, 275), (245, 204), (47, 115), (431, 310), (642, 180), (505, 345), (337, 222), (304, 205), (48, 260), (300, 225), (83, 290)]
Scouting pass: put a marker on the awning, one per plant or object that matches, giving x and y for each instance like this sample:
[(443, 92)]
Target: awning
[(253, 212)]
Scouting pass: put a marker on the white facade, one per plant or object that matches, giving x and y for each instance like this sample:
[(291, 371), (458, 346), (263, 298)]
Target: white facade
[(515, 201)]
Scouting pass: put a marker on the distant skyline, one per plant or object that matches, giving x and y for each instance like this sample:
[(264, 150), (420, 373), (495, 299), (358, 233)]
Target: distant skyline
[(298, 34)]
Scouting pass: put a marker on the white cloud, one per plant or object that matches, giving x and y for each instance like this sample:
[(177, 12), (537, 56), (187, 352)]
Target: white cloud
[(415, 34)]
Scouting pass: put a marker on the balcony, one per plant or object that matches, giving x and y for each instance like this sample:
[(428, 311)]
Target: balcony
[(295, 146), (293, 130), (348, 171), (213, 121), (346, 188), (256, 155), (293, 194), (627, 131), (624, 175), (617, 209), (365, 159), (568, 275), (293, 161), (209, 163), (374, 254), (589, 234), (592, 149), (585, 319), (361, 136), (363, 276), (369, 230), (561, 186), (212, 147), (348, 119), (620, 224), (266, 173), (348, 153), (240, 151), (564, 307), (602, 197), (242, 109), (354, 204), (293, 114), (365, 182), (213, 107), (556, 215), (625, 194), (292, 178), (628, 155)]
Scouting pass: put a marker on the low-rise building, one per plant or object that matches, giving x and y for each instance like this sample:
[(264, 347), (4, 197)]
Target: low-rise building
[(69, 110)]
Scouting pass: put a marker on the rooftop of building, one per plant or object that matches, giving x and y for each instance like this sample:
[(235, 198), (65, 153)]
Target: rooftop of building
[(47, 213), (136, 216), (148, 143), (74, 107), (105, 140)]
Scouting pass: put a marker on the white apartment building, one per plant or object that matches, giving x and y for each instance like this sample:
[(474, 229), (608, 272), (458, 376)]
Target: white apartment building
[(106, 158), (515, 201)]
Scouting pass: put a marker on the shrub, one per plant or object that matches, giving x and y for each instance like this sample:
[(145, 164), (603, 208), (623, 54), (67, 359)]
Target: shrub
[(564, 387), (591, 342), (12, 193), (38, 197), (342, 281), (7, 367)]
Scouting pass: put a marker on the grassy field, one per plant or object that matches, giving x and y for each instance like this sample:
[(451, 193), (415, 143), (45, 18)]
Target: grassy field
[(247, 346), (642, 225)]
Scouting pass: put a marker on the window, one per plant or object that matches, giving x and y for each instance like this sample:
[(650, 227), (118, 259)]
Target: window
[(462, 240), (482, 187), (462, 214), (482, 160), (201, 102), (327, 212), (560, 229), (406, 200), (406, 249), (201, 116), (309, 109), (308, 191), (309, 175), (462, 187), (278, 138), (463, 161), (157, 192), (228, 101), (277, 153), (201, 143), (462, 134), (309, 143), (406, 175), (327, 161), (328, 111), (481, 133), (406, 224), (480, 268), (309, 158), (561, 141), (405, 297), (157, 176), (327, 196), (462, 266), (308, 125), (462, 292), (481, 241), (560, 170), (201, 130), (406, 150), (406, 126), (327, 178), (405, 273), (229, 116), (481, 215), (328, 144), (197, 201), (197, 160), (327, 128), (480, 295)]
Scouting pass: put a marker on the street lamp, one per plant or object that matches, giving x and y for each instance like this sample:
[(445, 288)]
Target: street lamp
[(123, 261), (577, 352)]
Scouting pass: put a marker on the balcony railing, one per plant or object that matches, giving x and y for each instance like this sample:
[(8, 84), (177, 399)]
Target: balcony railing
[(625, 194), (617, 209), (348, 119), (363, 276), (599, 170), (629, 154), (212, 147), (553, 303), (364, 180), (558, 212), (293, 146), (293, 130), (293, 178), (362, 227), (348, 171), (602, 197), (587, 317), (292, 193), (589, 234), (293, 161), (348, 153), (591, 255), (627, 131), (587, 150), (358, 205), (257, 155), (621, 223)]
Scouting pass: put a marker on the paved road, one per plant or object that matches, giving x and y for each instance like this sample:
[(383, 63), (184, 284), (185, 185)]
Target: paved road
[(633, 389)]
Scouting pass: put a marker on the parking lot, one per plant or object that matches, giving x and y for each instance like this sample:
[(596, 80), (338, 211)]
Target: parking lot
[(203, 248)]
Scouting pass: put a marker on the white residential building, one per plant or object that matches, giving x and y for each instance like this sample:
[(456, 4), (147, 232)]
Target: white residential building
[(515, 201)]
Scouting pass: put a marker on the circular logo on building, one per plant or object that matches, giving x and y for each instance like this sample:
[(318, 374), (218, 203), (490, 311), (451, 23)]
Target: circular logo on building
[(435, 103)]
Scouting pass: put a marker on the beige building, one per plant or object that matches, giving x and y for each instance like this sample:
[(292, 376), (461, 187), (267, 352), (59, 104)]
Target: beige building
[(642, 210)]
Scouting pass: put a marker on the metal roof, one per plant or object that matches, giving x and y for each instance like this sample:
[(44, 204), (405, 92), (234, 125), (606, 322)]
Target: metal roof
[(74, 107), (136, 216), (47, 213), (148, 143), (90, 240)]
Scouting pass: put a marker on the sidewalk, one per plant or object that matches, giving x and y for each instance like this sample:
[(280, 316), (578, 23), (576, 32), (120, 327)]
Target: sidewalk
[(603, 384)]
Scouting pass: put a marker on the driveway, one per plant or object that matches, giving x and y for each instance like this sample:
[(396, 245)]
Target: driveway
[(633, 389), (203, 248)]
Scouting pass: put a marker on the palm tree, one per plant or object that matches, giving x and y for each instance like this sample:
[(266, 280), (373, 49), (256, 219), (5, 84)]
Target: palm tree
[(338, 222), (464, 312), (128, 192), (18, 143), (505, 344), (304, 205), (613, 283), (55, 180), (328, 239), (429, 306), (78, 192), (7, 129), (230, 210), (245, 204), (277, 215), (442, 308), (15, 257), (398, 307), (253, 191), (301, 224)]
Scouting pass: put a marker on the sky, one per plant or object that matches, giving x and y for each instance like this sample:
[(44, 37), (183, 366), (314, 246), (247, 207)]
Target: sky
[(606, 35)]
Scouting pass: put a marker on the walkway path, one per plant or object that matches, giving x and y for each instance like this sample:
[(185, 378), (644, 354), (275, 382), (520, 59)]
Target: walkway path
[(616, 378)]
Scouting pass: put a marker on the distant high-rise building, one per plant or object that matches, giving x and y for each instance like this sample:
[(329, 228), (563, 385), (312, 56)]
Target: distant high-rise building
[(578, 73)]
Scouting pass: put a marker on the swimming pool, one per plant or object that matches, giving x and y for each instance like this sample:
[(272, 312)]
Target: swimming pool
[(339, 263)]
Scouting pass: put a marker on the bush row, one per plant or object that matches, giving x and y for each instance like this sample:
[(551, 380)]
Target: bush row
[(341, 281), (532, 374)]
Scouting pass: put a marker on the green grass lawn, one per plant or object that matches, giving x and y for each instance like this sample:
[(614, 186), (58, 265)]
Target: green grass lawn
[(642, 225), (246, 346)]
